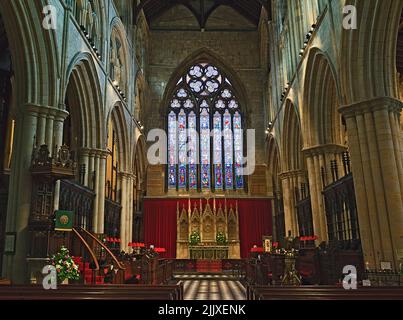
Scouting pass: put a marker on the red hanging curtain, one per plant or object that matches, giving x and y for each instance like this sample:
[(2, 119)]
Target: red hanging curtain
[(255, 221), (160, 225)]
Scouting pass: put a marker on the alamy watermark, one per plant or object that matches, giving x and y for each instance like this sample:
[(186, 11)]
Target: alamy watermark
[(158, 151), (49, 22), (50, 279), (350, 18)]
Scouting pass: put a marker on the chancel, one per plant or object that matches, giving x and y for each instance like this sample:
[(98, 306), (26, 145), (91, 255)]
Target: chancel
[(201, 150)]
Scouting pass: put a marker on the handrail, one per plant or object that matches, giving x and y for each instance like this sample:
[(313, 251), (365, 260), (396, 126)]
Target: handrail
[(94, 258), (105, 247)]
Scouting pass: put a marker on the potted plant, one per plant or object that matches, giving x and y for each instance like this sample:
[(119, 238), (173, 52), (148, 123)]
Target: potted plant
[(221, 239), (194, 238), (66, 268)]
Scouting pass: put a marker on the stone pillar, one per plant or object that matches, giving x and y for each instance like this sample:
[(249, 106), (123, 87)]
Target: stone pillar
[(19, 197), (90, 170), (378, 177), (317, 158), (96, 189), (124, 213), (84, 160), (289, 182), (101, 190), (59, 115)]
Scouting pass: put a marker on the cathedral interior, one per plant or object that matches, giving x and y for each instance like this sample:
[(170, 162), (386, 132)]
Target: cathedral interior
[(201, 149)]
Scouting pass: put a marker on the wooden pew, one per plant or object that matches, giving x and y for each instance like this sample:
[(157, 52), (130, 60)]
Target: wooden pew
[(323, 293), (98, 292)]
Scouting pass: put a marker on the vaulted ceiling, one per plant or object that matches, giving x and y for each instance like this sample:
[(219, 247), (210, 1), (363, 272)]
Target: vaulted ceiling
[(202, 9)]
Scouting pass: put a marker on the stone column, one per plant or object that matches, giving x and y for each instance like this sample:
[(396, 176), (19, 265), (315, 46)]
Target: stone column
[(84, 160), (19, 197), (378, 177), (101, 190), (57, 118), (96, 189), (124, 213), (317, 158), (289, 181)]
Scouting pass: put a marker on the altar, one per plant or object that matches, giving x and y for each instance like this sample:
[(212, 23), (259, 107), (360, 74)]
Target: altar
[(206, 231), (208, 252)]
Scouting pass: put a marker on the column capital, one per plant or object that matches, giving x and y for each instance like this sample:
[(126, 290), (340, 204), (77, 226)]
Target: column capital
[(46, 111), (127, 175), (372, 105), (291, 174), (101, 153), (323, 149)]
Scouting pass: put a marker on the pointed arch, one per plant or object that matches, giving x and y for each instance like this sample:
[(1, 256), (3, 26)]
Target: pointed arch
[(84, 88), (367, 55), (292, 142), (205, 54), (322, 122), (117, 118), (118, 42), (34, 52)]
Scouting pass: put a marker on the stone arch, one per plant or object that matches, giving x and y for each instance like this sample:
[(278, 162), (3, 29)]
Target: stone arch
[(119, 70), (273, 162), (84, 87), (140, 92), (90, 15), (205, 54), (34, 52), (322, 123), (292, 142), (368, 71), (117, 118)]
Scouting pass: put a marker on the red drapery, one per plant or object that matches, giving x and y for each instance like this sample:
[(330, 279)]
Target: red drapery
[(255, 221)]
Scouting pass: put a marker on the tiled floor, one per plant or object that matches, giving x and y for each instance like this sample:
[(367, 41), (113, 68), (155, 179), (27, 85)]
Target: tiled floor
[(209, 289)]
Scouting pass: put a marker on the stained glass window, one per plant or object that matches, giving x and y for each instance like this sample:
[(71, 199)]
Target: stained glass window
[(205, 146), (182, 138), (172, 153), (205, 132)]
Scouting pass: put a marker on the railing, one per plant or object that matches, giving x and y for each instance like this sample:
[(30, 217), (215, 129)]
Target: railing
[(112, 218), (105, 257), (95, 270), (78, 199)]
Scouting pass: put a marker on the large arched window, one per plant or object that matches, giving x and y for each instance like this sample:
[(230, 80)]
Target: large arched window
[(205, 137)]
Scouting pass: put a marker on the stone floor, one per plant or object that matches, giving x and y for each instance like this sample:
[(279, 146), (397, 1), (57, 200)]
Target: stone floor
[(213, 288)]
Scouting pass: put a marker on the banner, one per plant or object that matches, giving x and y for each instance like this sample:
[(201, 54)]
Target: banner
[(64, 220)]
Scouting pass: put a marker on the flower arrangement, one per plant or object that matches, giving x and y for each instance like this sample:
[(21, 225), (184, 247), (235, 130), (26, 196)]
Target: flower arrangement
[(195, 238), (221, 238), (65, 266)]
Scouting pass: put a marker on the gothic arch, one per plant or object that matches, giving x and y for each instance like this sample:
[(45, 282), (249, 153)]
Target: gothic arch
[(84, 88), (367, 55), (33, 51), (205, 55), (292, 142), (119, 70), (90, 15), (322, 122), (117, 117), (273, 161), (140, 92)]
